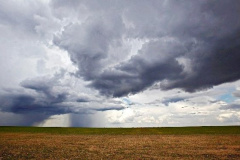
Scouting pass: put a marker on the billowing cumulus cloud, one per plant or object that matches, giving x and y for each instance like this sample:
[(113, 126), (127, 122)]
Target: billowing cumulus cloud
[(191, 45), (87, 58)]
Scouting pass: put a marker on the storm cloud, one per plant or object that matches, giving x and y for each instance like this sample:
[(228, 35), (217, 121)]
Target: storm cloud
[(85, 57), (192, 46), (46, 96)]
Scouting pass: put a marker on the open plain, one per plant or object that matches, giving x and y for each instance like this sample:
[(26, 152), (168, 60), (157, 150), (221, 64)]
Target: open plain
[(120, 143)]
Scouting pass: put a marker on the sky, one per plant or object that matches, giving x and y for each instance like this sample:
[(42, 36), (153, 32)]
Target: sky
[(119, 63)]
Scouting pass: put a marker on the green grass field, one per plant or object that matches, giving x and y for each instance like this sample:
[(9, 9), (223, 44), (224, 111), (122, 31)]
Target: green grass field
[(126, 131)]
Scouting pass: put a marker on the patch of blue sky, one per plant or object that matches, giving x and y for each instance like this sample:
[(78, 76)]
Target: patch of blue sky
[(127, 101), (228, 98)]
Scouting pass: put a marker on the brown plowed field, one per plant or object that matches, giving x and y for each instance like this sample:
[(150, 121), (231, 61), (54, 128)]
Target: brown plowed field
[(52, 146)]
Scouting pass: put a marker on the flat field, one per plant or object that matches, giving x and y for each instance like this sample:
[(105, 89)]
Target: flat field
[(120, 143)]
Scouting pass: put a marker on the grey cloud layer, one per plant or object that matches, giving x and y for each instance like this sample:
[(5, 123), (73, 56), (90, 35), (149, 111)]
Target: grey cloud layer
[(192, 46), (48, 96)]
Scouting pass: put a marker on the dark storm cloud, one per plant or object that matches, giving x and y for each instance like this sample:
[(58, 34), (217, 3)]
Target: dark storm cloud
[(192, 45), (11, 119), (28, 109), (141, 70), (45, 105), (24, 104), (44, 100), (215, 66), (44, 96)]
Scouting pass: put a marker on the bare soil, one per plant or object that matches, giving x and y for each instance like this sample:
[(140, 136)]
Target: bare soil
[(48, 146)]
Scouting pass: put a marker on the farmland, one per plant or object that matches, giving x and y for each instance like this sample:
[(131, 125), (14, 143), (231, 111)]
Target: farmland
[(120, 143)]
